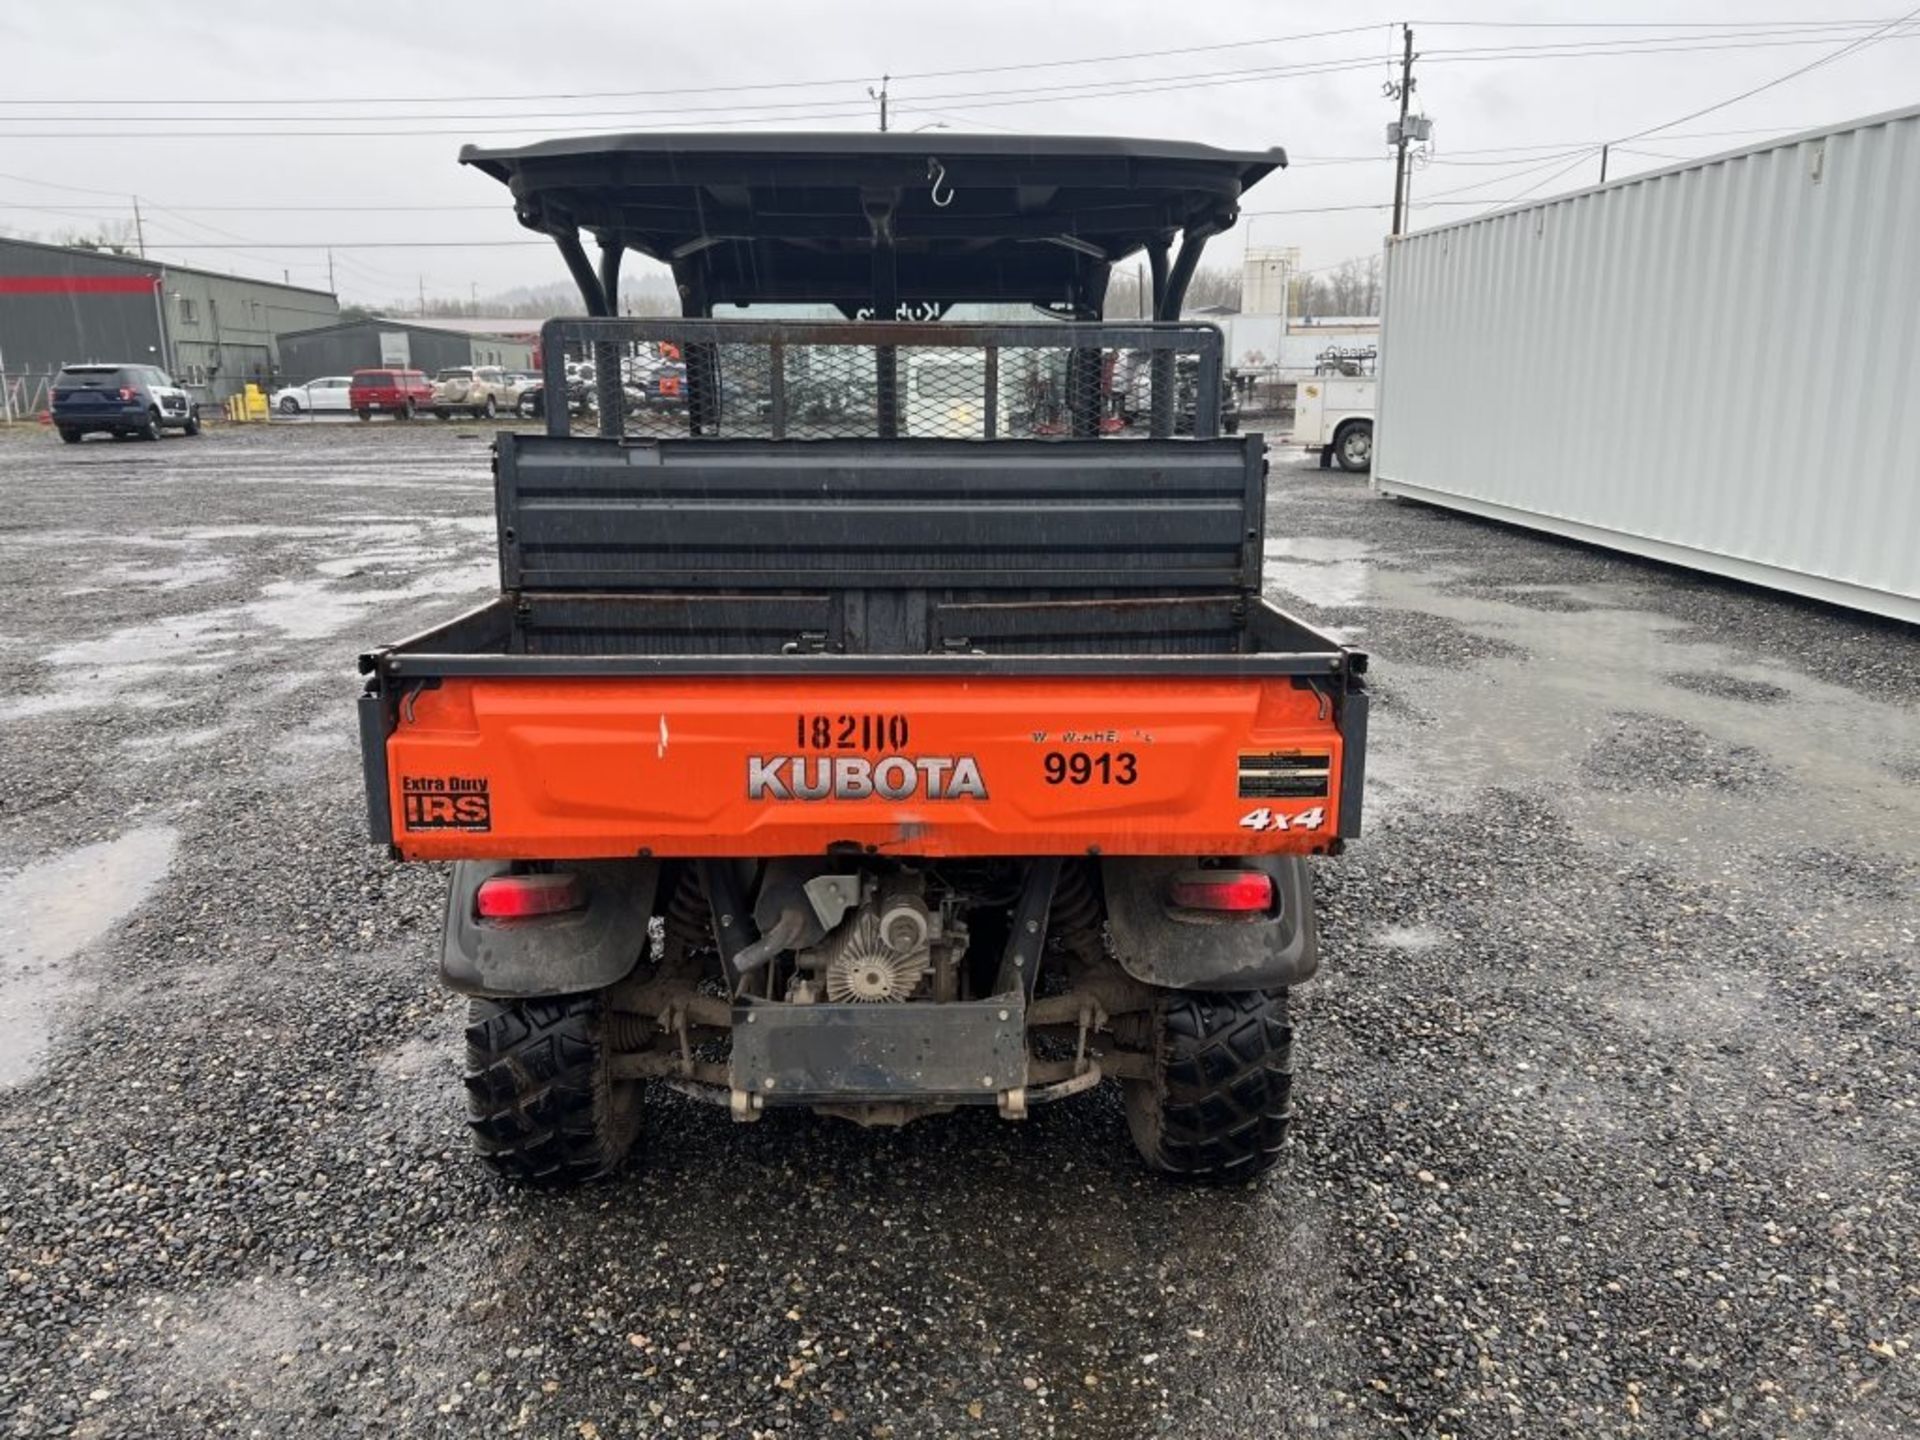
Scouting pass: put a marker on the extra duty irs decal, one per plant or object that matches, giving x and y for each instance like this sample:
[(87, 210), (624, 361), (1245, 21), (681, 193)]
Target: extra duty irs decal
[(445, 802)]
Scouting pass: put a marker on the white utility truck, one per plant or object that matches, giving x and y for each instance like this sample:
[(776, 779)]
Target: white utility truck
[(1333, 415)]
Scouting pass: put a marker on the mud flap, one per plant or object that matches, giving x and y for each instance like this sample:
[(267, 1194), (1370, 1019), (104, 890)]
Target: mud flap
[(1157, 946), (555, 955)]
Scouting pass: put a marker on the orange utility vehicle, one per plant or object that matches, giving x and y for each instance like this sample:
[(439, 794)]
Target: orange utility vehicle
[(892, 730)]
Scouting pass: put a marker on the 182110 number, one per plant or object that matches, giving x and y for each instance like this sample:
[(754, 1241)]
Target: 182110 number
[(851, 732)]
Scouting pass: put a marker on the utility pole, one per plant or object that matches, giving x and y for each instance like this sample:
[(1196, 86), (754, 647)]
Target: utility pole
[(1603, 163), (423, 295), (139, 230), (1400, 145), (881, 96), (330, 284)]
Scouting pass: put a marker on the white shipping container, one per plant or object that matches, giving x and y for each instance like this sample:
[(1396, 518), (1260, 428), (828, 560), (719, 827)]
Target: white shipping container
[(1714, 365)]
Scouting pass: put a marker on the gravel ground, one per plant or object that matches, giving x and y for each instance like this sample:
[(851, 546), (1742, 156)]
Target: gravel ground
[(1607, 1108)]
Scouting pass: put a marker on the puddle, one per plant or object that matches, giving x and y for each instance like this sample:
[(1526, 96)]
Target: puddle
[(168, 742), (134, 665), (1323, 571), (55, 910), (1333, 586), (153, 641), (1409, 939), (1318, 549), (178, 576), (1537, 718), (315, 609)]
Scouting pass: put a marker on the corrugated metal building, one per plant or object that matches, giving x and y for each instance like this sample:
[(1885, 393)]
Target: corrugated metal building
[(419, 345), (1715, 365), (212, 332)]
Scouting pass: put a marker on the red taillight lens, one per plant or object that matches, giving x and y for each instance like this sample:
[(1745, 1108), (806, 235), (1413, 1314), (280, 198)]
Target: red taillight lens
[(1233, 892), (522, 897), (126, 392)]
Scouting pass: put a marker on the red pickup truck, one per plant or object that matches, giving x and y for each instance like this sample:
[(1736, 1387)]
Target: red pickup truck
[(400, 393)]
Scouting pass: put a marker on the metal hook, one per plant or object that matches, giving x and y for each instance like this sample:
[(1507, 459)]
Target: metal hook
[(937, 173)]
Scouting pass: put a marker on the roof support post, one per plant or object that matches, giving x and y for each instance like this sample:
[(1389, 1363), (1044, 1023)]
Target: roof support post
[(1170, 292), (701, 360), (879, 206), (1157, 263), (609, 368), (1167, 301), (611, 254), (581, 269)]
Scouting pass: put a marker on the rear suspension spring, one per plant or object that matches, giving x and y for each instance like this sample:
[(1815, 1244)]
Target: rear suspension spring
[(1074, 921), (689, 917)]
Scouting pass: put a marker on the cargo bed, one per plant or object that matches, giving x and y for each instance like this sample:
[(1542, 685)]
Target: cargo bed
[(728, 644)]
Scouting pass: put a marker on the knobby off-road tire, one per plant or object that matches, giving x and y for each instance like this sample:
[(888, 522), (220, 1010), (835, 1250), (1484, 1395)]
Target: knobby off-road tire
[(1220, 1101), (541, 1105)]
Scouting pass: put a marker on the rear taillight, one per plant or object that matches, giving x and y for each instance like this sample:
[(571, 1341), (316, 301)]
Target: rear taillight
[(523, 897), (1223, 892), (126, 392)]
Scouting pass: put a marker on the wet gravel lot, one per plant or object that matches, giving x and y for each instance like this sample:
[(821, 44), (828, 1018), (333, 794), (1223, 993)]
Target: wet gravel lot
[(1607, 1116)]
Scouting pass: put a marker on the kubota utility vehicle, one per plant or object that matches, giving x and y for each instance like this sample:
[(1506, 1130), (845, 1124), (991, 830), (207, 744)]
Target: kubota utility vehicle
[(891, 729)]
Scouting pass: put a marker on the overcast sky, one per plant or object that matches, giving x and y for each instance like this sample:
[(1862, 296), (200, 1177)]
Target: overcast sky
[(492, 72)]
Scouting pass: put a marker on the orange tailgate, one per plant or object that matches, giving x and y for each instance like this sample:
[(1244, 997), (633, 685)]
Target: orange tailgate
[(568, 768)]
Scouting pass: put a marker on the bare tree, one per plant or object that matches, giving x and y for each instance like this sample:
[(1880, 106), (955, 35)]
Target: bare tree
[(1215, 285), (118, 236), (1354, 287)]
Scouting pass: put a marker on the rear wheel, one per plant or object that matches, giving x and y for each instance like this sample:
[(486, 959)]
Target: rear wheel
[(405, 412), (289, 405), (151, 430), (1218, 1105), (364, 413), (1353, 446), (488, 410), (193, 421), (441, 412), (541, 1102), (70, 435)]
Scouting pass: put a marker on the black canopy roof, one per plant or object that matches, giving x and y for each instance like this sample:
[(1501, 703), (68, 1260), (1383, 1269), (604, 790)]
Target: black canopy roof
[(878, 220)]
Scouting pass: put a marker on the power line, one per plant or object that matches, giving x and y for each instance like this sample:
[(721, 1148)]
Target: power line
[(1157, 54), (369, 245), (1883, 33), (987, 98), (1732, 28), (810, 111), (1621, 24)]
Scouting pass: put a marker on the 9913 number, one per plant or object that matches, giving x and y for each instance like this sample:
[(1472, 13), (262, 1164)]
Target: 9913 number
[(1083, 767)]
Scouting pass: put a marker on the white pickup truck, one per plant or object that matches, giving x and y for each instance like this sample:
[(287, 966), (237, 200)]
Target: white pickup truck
[(1333, 414)]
